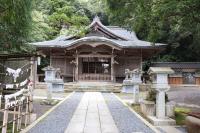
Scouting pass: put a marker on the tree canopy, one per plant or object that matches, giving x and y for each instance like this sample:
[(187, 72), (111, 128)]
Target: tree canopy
[(15, 23), (58, 17), (173, 22)]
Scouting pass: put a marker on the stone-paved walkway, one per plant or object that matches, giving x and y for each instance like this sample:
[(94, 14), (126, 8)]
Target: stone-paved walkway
[(126, 121), (92, 116), (91, 112), (58, 119)]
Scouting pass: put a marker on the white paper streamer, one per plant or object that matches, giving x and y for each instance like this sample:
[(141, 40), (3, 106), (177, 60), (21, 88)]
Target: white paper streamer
[(24, 82), (9, 86), (13, 72)]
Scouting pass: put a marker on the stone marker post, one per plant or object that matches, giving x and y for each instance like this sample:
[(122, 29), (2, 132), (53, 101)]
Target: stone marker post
[(159, 76)]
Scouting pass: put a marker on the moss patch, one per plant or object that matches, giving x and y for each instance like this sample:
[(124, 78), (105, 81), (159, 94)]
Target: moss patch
[(180, 115)]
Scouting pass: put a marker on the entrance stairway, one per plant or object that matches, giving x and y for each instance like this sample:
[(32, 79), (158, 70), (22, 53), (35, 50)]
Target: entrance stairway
[(88, 86)]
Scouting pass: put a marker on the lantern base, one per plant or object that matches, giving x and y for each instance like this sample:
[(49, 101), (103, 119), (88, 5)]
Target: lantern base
[(161, 122)]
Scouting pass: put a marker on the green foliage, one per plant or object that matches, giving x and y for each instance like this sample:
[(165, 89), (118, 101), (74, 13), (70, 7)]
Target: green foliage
[(15, 23), (176, 23), (180, 115), (44, 63), (40, 30), (152, 96), (95, 7), (58, 17)]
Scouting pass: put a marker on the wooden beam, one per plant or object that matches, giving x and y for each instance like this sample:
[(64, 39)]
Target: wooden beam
[(96, 55), (94, 45)]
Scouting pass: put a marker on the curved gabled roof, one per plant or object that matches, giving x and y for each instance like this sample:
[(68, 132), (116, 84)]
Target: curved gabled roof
[(97, 25), (114, 35), (63, 43)]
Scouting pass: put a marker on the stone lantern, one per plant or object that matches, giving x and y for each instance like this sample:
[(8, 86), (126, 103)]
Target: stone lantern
[(127, 82), (159, 77), (136, 80), (54, 83), (132, 82)]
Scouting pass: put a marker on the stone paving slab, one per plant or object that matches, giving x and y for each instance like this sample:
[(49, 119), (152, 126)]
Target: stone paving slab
[(92, 112), (97, 117), (126, 121), (58, 120)]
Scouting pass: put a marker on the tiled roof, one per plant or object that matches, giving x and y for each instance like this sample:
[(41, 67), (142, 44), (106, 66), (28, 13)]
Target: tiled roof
[(130, 35), (121, 38), (63, 43), (177, 65)]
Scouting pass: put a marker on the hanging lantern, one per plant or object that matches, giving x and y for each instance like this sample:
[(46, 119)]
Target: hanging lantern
[(38, 60)]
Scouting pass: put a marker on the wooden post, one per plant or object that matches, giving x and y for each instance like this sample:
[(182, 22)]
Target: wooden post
[(112, 69), (141, 59), (76, 67), (5, 118), (50, 53), (33, 79), (112, 66)]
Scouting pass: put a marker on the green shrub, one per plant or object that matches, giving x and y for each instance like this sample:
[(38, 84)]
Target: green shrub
[(152, 96)]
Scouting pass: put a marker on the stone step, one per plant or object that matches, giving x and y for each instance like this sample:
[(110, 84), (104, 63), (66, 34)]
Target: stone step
[(85, 87), (97, 88)]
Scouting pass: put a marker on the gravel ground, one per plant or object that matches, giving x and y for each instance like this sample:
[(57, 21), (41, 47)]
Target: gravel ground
[(40, 109), (188, 95), (182, 129), (125, 120), (58, 120)]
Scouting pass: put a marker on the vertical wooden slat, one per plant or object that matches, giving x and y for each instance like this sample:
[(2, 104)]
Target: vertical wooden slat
[(5, 117)]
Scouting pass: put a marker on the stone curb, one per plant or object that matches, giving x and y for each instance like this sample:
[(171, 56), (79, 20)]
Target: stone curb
[(137, 115), (45, 115), (188, 105)]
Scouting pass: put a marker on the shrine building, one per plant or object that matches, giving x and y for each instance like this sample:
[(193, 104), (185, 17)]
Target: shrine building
[(102, 54)]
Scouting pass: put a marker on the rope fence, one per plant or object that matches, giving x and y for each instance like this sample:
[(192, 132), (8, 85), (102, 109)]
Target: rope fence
[(19, 105), (16, 90)]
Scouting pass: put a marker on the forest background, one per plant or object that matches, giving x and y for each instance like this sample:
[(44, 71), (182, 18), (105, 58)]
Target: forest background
[(174, 22)]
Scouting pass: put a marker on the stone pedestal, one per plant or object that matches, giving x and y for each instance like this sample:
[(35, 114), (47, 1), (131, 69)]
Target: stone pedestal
[(161, 122), (136, 95), (160, 105), (159, 77), (147, 108), (127, 86), (131, 83), (136, 79)]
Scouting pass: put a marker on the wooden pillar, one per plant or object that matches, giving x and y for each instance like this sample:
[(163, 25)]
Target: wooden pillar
[(33, 74), (5, 118), (76, 67), (112, 69), (33, 79), (141, 59)]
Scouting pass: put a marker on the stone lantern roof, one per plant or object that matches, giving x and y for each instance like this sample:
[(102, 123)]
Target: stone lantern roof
[(160, 70)]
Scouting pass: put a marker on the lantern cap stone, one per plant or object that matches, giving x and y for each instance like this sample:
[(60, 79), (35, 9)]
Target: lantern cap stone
[(137, 70), (159, 70), (50, 68)]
